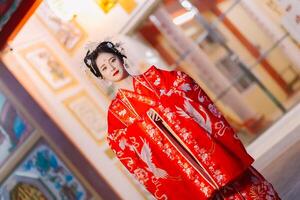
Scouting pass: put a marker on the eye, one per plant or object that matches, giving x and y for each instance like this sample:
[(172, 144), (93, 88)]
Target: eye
[(113, 59), (103, 68)]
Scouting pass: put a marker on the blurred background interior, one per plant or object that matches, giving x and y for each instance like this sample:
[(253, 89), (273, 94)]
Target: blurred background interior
[(244, 53)]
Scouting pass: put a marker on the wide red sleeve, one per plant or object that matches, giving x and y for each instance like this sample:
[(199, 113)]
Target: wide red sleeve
[(128, 155), (221, 129)]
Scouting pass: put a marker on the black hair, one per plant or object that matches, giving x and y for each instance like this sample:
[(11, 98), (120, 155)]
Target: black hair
[(105, 46)]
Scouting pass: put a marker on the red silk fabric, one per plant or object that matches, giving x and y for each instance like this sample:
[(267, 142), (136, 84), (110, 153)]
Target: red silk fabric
[(204, 156)]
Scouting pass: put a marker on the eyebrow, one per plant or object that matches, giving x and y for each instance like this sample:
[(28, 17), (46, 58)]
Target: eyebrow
[(103, 65), (112, 57)]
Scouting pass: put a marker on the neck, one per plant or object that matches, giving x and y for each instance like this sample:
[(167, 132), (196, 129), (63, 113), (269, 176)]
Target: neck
[(126, 83)]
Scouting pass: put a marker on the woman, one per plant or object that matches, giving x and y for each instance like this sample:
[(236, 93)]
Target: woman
[(167, 132)]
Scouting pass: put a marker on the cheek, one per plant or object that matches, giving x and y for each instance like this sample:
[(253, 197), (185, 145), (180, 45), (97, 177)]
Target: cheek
[(123, 73), (106, 75), (119, 65)]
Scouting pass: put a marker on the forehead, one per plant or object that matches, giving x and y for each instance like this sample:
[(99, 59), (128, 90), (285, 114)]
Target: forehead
[(104, 57)]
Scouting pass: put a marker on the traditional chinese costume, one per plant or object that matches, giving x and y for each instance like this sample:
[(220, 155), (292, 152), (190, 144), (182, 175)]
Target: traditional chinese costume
[(191, 152)]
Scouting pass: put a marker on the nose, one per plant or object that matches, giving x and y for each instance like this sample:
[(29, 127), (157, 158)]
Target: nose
[(112, 67)]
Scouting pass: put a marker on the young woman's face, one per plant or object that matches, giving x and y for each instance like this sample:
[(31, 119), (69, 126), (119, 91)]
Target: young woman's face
[(111, 67)]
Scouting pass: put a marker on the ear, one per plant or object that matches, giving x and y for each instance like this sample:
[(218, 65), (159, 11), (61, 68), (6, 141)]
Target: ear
[(125, 63)]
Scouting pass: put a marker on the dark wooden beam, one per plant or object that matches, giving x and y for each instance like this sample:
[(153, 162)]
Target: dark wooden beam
[(17, 20)]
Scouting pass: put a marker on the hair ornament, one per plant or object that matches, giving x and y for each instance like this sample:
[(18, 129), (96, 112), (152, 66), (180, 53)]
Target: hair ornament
[(110, 45)]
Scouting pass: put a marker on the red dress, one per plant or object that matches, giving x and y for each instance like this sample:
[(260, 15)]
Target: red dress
[(191, 152)]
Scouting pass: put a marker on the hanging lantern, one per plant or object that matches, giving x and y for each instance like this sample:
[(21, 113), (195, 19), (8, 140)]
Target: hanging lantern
[(128, 5), (106, 5)]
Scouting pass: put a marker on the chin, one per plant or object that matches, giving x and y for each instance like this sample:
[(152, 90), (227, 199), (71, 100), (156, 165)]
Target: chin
[(121, 76), (118, 78)]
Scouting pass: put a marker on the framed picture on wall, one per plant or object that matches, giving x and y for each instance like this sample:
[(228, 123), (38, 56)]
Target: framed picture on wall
[(48, 67), (88, 114), (14, 128), (43, 175), (69, 34)]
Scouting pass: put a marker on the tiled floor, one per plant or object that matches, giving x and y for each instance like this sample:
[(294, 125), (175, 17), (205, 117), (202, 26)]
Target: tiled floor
[(284, 173)]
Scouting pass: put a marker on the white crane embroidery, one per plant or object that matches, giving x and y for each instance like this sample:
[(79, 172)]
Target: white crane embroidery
[(203, 122), (146, 156)]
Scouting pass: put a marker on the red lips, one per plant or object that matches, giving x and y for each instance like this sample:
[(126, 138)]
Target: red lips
[(116, 73)]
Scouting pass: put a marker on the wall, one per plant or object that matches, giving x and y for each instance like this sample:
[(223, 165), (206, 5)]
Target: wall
[(53, 73)]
